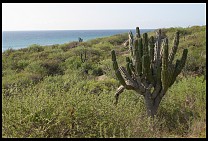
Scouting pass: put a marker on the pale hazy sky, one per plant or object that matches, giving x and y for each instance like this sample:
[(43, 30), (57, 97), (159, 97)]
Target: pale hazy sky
[(68, 16)]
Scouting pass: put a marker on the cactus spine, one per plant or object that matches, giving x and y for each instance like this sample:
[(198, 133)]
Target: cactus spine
[(150, 66)]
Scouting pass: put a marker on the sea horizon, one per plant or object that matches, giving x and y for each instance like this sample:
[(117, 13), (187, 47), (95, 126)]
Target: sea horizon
[(24, 38), (75, 29)]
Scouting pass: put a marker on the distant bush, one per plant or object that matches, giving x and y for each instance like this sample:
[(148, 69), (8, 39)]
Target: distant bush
[(67, 46), (8, 51), (35, 48), (117, 39), (104, 46), (55, 46)]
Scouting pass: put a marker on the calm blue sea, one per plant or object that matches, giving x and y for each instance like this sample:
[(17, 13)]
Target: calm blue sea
[(23, 39)]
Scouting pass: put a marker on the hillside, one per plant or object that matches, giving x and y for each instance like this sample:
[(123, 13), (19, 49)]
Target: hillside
[(51, 91)]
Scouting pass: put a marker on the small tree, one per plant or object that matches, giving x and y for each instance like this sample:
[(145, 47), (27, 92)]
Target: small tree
[(150, 70)]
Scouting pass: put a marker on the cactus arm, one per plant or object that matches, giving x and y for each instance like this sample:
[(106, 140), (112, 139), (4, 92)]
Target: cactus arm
[(157, 65), (182, 62), (158, 47), (140, 54), (174, 48), (179, 66), (145, 57), (128, 68), (145, 65), (137, 61), (116, 69), (145, 47), (171, 69), (130, 83), (151, 46), (164, 75), (118, 92), (151, 54), (157, 57), (137, 32), (130, 38), (174, 73), (135, 50), (158, 70), (131, 43), (128, 65)]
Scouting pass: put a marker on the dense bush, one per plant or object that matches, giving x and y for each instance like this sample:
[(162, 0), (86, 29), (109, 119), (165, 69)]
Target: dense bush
[(35, 48), (67, 46), (52, 67)]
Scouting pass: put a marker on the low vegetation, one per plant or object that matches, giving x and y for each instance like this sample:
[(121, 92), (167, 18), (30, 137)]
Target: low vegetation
[(47, 93)]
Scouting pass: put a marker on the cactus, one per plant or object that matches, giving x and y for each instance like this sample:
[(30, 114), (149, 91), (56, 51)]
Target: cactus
[(150, 70), (83, 56)]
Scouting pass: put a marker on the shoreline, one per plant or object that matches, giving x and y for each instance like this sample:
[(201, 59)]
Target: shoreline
[(47, 38)]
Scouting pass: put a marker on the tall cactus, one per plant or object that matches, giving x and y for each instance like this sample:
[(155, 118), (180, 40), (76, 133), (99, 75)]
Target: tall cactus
[(150, 69)]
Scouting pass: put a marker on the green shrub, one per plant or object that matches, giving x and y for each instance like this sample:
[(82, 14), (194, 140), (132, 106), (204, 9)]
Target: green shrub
[(36, 68), (22, 64), (8, 52), (67, 46), (116, 39), (52, 67), (97, 71), (35, 48), (104, 46), (73, 63), (97, 87)]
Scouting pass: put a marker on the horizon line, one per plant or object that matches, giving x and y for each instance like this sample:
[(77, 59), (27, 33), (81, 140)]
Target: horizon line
[(105, 29), (76, 29)]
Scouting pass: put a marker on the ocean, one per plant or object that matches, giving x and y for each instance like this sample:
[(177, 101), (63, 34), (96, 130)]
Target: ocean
[(23, 39)]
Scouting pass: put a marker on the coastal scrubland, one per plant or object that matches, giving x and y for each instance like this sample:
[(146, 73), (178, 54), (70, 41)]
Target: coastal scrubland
[(50, 91)]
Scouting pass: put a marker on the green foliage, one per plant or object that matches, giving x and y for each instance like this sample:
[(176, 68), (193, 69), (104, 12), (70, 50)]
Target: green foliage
[(103, 46), (22, 64), (67, 46), (35, 48), (97, 71), (52, 67), (184, 104), (36, 68), (44, 94)]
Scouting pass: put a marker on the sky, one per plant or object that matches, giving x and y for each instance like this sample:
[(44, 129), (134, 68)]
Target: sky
[(86, 16)]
